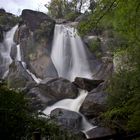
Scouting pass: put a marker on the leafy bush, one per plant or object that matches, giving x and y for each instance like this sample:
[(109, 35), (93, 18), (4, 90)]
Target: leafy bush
[(18, 121), (123, 102)]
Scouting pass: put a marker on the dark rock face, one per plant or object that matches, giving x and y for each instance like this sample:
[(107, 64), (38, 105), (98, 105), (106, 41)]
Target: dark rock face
[(1, 34), (59, 88), (18, 77), (37, 100), (33, 19), (2, 11), (94, 104), (87, 84), (100, 133), (13, 52), (67, 119), (35, 38), (49, 91)]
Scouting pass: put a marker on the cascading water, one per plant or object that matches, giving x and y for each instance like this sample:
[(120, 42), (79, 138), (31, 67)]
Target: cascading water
[(68, 54), (18, 58), (5, 49), (72, 105), (70, 60)]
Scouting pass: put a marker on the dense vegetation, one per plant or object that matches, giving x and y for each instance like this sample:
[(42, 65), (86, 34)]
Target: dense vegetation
[(65, 8), (121, 18), (18, 121)]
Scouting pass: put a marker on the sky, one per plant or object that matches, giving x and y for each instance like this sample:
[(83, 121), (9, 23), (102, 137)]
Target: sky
[(16, 6)]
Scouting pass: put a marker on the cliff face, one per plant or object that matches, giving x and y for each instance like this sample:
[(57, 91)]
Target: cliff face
[(35, 36)]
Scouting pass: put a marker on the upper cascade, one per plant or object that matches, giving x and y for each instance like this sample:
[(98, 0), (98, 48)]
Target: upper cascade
[(68, 54), (5, 50)]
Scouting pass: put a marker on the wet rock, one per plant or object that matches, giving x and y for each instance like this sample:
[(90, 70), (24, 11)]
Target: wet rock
[(35, 36), (82, 17), (2, 11), (18, 76), (1, 34), (100, 133), (13, 52), (94, 104), (37, 100), (87, 84), (49, 91), (67, 119), (59, 88), (34, 18)]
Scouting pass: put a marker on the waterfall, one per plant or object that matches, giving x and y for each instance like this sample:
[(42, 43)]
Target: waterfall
[(68, 54), (5, 50), (18, 58), (70, 60), (72, 105)]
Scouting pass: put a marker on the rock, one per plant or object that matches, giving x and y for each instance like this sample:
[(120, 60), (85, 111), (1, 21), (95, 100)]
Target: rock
[(87, 84), (82, 17), (13, 52), (37, 100), (49, 91), (18, 77), (60, 21), (34, 18), (1, 34), (35, 38), (59, 88), (94, 104), (105, 70), (100, 133), (67, 119), (2, 11)]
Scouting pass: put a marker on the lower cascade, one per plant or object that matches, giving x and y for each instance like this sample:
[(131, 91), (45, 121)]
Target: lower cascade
[(72, 105), (5, 50)]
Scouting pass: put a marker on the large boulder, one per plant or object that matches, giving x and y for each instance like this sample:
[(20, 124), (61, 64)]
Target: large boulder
[(1, 34), (94, 104), (33, 19), (87, 84), (37, 100), (18, 76), (49, 91), (59, 88), (100, 133), (35, 36), (67, 119)]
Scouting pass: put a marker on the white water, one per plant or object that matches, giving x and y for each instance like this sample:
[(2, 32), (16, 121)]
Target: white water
[(19, 58), (72, 105), (5, 49), (68, 54)]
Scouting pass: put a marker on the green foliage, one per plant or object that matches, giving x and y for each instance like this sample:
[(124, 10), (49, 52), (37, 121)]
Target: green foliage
[(71, 16), (95, 47), (123, 101), (122, 18), (18, 121), (65, 8), (8, 20)]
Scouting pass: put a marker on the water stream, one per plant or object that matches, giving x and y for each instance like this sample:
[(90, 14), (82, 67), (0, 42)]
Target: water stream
[(68, 54), (72, 105), (69, 57), (5, 50)]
